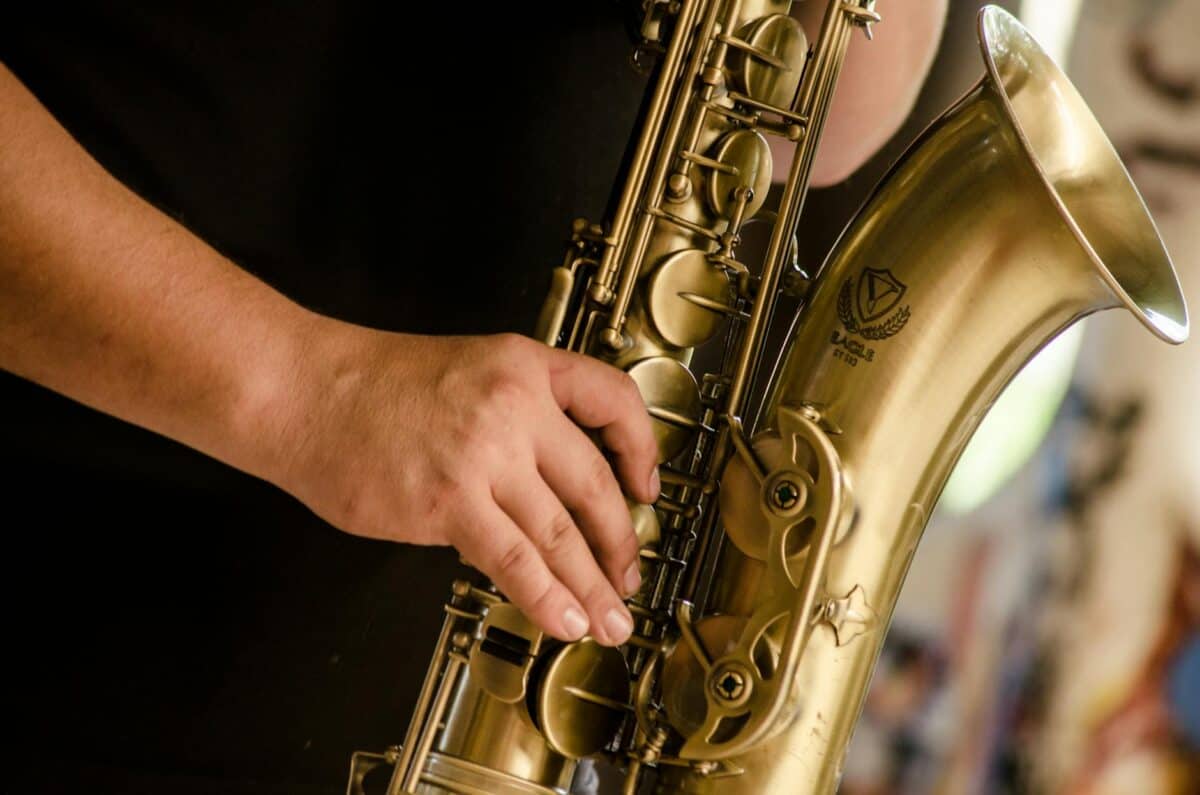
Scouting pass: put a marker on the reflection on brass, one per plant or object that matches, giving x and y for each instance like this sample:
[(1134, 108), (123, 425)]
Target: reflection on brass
[(685, 673), (649, 533), (509, 645), (746, 156), (583, 698), (849, 616), (781, 36), (687, 299), (743, 513), (673, 399), (554, 310), (773, 560), (799, 545)]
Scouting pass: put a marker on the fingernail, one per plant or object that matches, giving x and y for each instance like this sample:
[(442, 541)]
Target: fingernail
[(655, 484), (633, 579), (618, 624), (575, 623)]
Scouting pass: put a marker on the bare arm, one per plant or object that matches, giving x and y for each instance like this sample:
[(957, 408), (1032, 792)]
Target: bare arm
[(107, 300), (878, 85), (462, 441)]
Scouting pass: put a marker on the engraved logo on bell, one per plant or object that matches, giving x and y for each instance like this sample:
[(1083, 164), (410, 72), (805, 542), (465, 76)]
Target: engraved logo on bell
[(878, 292), (869, 305)]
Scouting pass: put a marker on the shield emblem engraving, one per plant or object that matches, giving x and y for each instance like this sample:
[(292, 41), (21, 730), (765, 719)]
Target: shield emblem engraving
[(878, 292)]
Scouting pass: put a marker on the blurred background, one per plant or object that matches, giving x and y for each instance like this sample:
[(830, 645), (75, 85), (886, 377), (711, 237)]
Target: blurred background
[(1048, 637)]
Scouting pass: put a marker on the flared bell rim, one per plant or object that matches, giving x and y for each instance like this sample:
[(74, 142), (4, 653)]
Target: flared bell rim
[(1136, 266)]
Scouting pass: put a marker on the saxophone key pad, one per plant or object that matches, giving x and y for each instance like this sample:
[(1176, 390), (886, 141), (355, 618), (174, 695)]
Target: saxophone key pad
[(582, 698), (673, 399), (770, 69), (687, 299), (747, 158)]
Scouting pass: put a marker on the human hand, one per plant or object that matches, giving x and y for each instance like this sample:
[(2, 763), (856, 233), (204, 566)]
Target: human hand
[(467, 441)]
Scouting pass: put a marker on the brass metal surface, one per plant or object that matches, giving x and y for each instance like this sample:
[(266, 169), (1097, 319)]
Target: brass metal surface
[(495, 735), (673, 398), (688, 299), (509, 646), (772, 562), (446, 773), (780, 36), (743, 159), (583, 698)]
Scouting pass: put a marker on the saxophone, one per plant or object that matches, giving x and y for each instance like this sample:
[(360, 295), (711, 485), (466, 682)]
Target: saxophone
[(773, 559)]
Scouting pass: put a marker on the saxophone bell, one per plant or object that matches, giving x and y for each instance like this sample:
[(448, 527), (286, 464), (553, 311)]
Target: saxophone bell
[(1007, 221)]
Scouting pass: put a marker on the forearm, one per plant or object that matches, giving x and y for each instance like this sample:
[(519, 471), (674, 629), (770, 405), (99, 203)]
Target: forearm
[(879, 83), (109, 301)]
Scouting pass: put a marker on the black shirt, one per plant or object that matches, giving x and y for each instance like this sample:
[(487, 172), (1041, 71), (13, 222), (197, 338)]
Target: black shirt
[(179, 627)]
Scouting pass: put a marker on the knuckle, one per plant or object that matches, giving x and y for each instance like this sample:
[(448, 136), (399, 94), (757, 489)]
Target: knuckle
[(599, 592), (485, 433), (543, 597), (355, 506), (515, 559), (510, 340), (469, 446), (351, 512), (598, 478), (629, 388), (558, 533), (441, 496), (506, 393), (465, 431), (618, 550), (512, 346)]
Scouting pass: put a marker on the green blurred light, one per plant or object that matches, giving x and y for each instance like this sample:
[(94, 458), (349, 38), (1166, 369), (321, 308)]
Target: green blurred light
[(1014, 426), (1021, 416)]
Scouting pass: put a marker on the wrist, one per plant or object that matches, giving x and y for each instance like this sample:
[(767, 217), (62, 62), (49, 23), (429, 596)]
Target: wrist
[(278, 394), (313, 370)]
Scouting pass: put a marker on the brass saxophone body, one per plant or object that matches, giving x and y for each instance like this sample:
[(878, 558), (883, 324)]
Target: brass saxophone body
[(773, 560)]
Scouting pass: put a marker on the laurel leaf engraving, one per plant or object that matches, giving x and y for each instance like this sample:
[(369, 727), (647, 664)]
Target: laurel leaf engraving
[(845, 307), (883, 330)]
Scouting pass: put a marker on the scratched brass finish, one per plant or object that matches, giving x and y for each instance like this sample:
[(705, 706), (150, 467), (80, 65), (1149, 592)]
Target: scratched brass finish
[(773, 560)]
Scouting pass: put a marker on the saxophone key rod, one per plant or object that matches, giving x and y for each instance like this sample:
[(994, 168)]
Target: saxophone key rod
[(816, 93), (631, 260), (431, 677), (664, 88), (711, 76), (406, 780)]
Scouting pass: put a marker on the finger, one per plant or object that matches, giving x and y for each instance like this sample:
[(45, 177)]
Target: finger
[(598, 395), (497, 547), (531, 504), (575, 470)]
